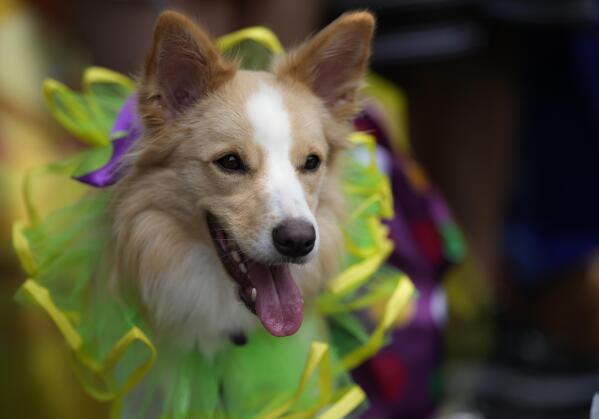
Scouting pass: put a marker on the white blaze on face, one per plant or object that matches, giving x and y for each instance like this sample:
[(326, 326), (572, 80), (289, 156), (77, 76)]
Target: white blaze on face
[(272, 131)]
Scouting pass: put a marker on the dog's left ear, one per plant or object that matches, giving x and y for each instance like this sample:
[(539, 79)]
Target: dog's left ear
[(183, 66), (333, 62)]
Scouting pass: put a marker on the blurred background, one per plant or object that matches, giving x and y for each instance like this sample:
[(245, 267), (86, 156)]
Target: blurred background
[(502, 114)]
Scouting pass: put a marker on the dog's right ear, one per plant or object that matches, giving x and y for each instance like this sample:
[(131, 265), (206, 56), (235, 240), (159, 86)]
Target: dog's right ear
[(183, 66), (333, 62)]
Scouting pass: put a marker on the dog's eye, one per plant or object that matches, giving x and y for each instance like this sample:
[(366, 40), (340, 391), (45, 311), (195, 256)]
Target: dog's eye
[(312, 163), (231, 162)]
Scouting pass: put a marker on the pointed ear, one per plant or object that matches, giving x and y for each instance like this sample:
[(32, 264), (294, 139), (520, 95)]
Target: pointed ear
[(333, 62), (183, 66)]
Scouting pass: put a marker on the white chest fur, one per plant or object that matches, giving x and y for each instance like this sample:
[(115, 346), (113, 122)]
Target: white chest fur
[(195, 303)]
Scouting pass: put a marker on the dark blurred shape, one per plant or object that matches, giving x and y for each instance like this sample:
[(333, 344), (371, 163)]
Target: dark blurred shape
[(416, 30), (554, 217), (544, 11), (118, 32)]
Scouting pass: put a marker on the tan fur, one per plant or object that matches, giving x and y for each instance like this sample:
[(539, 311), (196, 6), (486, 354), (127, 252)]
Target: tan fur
[(160, 205), (175, 31), (347, 40)]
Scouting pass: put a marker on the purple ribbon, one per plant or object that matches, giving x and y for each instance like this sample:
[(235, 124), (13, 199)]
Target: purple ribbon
[(128, 127)]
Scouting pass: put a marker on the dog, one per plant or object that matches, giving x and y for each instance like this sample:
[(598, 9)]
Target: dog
[(228, 216)]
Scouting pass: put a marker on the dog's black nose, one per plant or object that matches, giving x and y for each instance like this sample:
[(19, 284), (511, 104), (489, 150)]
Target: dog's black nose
[(294, 237), (238, 338)]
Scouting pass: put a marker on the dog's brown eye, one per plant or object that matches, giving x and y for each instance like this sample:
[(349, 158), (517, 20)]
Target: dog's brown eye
[(231, 162), (312, 163)]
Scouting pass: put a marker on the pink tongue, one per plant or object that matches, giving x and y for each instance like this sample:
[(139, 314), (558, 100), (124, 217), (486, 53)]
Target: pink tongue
[(279, 303)]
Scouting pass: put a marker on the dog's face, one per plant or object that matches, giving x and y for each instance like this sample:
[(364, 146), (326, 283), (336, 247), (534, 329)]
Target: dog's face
[(241, 163), (258, 166)]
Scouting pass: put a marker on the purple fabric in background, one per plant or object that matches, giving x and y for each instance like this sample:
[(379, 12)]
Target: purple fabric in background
[(402, 380), (127, 128)]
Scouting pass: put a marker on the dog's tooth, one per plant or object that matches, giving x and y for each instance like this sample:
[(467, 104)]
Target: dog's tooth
[(254, 294), (236, 256), (243, 268)]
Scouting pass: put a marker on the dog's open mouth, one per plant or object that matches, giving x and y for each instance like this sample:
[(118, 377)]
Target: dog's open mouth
[(269, 291)]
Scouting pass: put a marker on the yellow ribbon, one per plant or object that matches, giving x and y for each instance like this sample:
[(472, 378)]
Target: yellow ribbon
[(54, 89), (372, 258), (259, 34), (93, 75), (71, 107), (395, 106), (368, 141), (318, 358), (355, 275), (346, 401), (101, 384), (22, 249), (384, 286), (346, 404), (383, 189), (41, 296), (404, 290), (64, 167)]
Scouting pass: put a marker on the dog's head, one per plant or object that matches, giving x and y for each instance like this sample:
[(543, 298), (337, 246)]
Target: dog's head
[(243, 160)]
